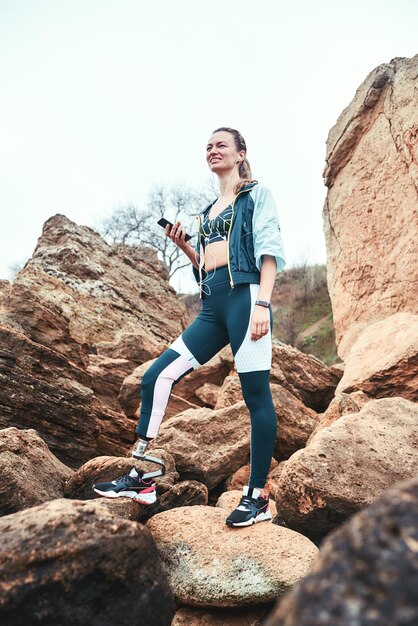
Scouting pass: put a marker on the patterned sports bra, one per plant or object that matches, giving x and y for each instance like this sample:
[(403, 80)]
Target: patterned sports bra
[(217, 229)]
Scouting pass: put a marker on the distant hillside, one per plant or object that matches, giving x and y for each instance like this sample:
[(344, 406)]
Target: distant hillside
[(302, 311)]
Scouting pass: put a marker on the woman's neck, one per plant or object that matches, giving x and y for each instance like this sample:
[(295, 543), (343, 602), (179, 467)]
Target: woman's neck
[(227, 184)]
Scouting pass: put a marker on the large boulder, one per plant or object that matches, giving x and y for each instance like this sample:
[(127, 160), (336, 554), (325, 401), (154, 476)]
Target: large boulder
[(341, 404), (347, 465), (304, 375), (210, 564), (70, 562), (41, 389), (366, 572), (370, 216), (383, 360), (77, 291), (30, 473), (207, 445)]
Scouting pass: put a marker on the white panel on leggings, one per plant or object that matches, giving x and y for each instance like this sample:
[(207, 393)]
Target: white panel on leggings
[(179, 346), (254, 356)]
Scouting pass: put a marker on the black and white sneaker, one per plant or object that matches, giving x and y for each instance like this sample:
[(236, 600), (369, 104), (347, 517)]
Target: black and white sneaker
[(252, 508), (131, 485)]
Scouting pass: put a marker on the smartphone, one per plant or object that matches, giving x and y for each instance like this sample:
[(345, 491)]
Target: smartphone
[(163, 222)]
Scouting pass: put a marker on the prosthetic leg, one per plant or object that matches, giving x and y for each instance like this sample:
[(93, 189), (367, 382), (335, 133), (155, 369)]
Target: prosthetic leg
[(139, 453)]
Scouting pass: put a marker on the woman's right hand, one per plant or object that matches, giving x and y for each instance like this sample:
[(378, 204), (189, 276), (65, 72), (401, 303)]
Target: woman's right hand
[(176, 234)]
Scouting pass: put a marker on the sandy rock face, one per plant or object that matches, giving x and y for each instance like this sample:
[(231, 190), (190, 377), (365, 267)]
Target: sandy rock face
[(222, 567), (370, 217), (70, 563), (77, 291), (383, 361), (366, 571), (30, 473), (305, 376), (348, 465), (41, 389)]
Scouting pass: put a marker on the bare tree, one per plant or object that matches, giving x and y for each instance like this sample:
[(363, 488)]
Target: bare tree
[(132, 225)]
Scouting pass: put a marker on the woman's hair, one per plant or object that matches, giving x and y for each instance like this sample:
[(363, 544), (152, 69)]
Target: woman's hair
[(244, 167)]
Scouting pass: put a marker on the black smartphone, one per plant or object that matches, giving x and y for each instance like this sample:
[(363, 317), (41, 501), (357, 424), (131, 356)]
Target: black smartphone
[(163, 222)]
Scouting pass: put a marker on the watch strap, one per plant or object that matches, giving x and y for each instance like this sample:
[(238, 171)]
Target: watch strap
[(263, 303)]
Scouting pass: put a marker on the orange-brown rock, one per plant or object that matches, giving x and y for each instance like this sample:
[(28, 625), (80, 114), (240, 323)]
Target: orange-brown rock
[(107, 375), (207, 445), (41, 389), (185, 493), (71, 562), (383, 360), (366, 570), (370, 215), (209, 394), (30, 473), (304, 375), (224, 566), (341, 404), (347, 465), (77, 291)]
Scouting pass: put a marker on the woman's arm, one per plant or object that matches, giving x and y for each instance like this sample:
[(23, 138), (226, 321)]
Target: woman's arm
[(177, 235), (267, 277)]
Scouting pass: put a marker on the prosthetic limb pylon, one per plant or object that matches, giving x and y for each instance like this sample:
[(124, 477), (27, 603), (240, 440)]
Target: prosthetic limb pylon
[(139, 453)]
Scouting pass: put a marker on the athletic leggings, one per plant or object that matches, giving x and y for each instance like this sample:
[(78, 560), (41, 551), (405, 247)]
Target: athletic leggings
[(225, 317)]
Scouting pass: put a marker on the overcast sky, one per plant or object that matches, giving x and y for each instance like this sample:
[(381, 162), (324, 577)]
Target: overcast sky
[(101, 99)]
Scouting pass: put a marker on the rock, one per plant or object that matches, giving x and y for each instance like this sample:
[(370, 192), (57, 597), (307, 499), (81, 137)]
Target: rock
[(230, 392), (106, 468), (225, 566), (244, 616), (369, 216), (304, 375), (129, 396), (207, 445), (77, 291), (208, 394), (229, 500), (366, 571), (341, 404), (135, 347), (68, 562), (107, 376), (384, 359), (242, 476), (182, 494), (30, 473), (41, 389), (348, 465)]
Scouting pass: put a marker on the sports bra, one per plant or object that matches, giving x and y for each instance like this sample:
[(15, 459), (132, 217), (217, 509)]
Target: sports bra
[(217, 229)]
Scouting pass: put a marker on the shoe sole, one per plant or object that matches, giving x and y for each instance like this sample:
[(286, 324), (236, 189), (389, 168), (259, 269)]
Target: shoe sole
[(146, 498), (261, 517)]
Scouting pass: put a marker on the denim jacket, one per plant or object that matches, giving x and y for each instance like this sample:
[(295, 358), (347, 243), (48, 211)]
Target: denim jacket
[(254, 231)]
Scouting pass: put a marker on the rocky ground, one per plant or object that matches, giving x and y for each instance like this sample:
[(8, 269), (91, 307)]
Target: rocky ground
[(79, 326)]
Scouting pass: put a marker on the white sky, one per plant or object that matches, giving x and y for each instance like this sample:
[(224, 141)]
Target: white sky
[(101, 99)]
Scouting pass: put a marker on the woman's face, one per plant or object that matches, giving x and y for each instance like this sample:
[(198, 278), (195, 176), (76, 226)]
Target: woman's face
[(221, 153)]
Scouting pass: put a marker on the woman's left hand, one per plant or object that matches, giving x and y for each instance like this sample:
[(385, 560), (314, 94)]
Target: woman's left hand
[(260, 322)]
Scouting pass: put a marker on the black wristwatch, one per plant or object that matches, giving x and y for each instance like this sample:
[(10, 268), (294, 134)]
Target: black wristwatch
[(263, 303)]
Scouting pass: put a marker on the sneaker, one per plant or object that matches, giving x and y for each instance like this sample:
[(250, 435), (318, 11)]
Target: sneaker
[(131, 485), (252, 508)]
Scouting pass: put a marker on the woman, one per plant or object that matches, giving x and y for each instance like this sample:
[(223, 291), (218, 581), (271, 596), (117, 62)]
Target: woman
[(238, 253)]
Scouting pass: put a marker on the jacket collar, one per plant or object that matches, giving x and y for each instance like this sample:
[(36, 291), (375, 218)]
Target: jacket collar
[(247, 187)]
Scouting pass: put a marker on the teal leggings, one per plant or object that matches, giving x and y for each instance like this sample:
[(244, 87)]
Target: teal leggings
[(225, 318)]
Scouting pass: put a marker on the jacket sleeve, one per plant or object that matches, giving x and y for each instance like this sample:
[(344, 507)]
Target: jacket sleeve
[(266, 228)]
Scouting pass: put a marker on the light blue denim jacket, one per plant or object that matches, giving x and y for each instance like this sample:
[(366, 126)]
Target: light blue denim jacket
[(254, 231)]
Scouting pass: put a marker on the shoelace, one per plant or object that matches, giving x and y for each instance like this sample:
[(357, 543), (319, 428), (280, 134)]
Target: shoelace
[(247, 500), (131, 478)]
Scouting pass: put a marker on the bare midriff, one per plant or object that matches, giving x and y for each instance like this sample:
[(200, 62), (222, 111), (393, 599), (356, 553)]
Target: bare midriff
[(216, 255)]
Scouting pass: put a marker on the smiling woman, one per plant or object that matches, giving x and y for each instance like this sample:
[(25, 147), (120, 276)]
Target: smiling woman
[(239, 251)]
